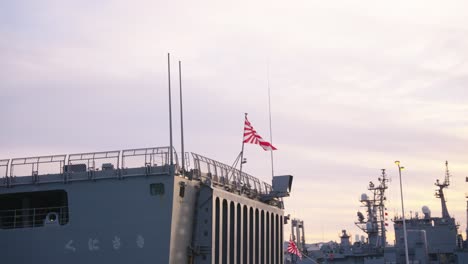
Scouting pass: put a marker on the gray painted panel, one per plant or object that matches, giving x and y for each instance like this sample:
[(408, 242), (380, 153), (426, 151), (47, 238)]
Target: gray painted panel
[(111, 221)]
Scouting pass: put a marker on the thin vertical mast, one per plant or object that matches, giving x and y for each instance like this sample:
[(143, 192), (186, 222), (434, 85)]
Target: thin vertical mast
[(181, 119), (242, 151), (170, 108), (269, 112)]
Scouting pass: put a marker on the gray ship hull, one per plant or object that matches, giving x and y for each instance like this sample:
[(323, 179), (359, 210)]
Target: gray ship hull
[(148, 214)]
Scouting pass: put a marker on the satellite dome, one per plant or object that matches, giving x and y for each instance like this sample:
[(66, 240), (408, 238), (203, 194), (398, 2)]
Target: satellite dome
[(426, 211), (364, 197)]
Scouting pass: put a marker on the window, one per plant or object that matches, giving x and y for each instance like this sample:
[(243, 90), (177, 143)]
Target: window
[(157, 188), (33, 209)]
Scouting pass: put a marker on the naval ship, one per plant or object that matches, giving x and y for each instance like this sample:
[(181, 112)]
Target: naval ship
[(138, 206), (430, 240), (371, 250)]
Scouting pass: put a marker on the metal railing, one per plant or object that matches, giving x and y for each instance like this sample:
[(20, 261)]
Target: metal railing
[(224, 175), (86, 165), (61, 166), (152, 156), (33, 217), (4, 171), (34, 162), (90, 158)]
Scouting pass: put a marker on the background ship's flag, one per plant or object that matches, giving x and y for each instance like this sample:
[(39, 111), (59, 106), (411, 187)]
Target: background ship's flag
[(293, 249), (251, 136)]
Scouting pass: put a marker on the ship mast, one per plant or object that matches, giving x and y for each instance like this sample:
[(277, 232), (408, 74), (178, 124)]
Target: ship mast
[(466, 196), (374, 226), (440, 192)]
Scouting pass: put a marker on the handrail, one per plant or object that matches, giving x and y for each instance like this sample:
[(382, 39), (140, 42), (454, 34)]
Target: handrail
[(35, 161), (31, 217), (225, 175), (74, 159), (219, 173), (91, 157), (149, 153), (4, 163)]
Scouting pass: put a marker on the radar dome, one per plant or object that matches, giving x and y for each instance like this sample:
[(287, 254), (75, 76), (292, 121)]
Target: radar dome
[(364, 197), (426, 211)]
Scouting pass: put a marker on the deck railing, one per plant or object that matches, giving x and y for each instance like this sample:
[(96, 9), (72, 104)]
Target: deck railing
[(63, 167), (224, 175), (84, 166), (33, 217)]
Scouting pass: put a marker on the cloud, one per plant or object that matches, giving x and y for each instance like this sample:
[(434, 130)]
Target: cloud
[(354, 86)]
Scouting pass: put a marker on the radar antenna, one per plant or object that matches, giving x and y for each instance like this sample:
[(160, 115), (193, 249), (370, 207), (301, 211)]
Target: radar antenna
[(440, 192), (375, 224)]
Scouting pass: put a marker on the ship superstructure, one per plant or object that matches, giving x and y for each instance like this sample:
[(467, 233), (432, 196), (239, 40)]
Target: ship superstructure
[(136, 206), (431, 239), (373, 223)]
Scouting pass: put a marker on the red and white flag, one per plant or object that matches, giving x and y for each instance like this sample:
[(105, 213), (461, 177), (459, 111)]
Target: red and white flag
[(293, 249), (251, 136)]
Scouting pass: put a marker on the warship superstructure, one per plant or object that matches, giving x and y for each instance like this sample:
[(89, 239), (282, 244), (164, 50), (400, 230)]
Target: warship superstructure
[(430, 239), (371, 249), (137, 206)]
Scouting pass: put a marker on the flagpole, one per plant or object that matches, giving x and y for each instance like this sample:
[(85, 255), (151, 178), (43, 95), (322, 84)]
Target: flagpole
[(242, 151), (170, 108), (181, 120), (304, 255), (269, 112)]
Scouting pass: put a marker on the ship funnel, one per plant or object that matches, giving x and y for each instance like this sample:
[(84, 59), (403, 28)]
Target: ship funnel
[(426, 211)]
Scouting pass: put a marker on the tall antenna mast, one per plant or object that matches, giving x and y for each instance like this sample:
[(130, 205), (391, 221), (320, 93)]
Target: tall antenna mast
[(466, 196), (170, 108), (269, 113), (242, 151), (181, 120), (440, 191)]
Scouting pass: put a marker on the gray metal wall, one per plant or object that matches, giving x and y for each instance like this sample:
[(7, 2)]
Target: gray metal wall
[(119, 220), (245, 230), (111, 221)]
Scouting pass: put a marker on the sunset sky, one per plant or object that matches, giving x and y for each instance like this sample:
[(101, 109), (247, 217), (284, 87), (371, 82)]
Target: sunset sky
[(355, 85)]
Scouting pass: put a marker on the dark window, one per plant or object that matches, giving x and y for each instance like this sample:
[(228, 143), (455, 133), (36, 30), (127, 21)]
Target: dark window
[(157, 188), (244, 233), (239, 230), (251, 235), (281, 224), (217, 219), (182, 190), (225, 234), (277, 242), (262, 237), (268, 237), (232, 224), (33, 209)]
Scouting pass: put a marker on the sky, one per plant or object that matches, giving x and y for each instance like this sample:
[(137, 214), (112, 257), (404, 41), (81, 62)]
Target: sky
[(355, 85)]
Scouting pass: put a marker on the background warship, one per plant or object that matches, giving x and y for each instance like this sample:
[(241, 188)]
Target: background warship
[(430, 239)]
